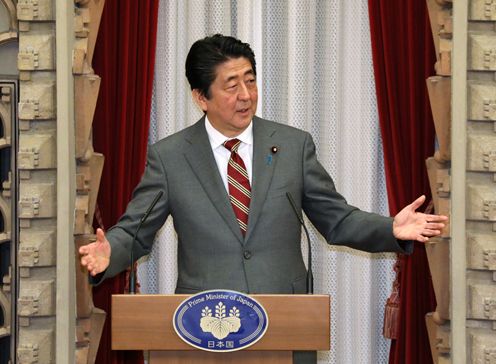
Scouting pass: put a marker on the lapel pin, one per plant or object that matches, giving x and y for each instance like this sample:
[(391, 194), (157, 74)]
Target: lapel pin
[(269, 159)]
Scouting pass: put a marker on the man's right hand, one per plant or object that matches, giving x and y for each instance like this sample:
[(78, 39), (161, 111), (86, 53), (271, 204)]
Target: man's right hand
[(96, 256)]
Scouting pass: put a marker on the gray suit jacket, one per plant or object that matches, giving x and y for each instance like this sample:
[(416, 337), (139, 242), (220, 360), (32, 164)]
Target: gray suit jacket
[(212, 252)]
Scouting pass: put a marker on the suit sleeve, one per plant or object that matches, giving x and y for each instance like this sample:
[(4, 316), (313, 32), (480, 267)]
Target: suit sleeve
[(120, 236), (339, 222)]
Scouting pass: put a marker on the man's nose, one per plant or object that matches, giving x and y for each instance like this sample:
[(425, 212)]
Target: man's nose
[(244, 94)]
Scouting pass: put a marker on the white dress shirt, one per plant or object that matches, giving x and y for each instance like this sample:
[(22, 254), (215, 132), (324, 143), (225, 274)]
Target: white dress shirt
[(222, 154)]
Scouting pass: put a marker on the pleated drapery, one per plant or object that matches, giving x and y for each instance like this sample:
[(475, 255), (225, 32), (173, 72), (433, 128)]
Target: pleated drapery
[(404, 57), (124, 59)]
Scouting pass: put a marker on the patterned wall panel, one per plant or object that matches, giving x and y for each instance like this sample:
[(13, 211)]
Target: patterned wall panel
[(480, 171), (7, 226), (8, 98), (480, 180), (89, 168), (31, 23), (37, 170), (438, 168)]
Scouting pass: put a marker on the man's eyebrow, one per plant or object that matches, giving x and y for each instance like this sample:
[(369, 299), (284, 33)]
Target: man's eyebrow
[(234, 77)]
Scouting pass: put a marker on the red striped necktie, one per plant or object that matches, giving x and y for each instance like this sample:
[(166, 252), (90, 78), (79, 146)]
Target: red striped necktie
[(239, 185)]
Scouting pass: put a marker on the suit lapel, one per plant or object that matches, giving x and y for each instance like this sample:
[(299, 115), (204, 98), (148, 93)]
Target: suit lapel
[(202, 162), (264, 163)]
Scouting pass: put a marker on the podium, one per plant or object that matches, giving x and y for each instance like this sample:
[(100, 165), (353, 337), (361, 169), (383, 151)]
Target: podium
[(296, 322)]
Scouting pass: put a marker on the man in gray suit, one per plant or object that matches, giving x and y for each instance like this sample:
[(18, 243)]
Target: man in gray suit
[(218, 246)]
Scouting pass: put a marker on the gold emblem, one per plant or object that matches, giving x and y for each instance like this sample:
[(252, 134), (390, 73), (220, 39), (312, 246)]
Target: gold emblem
[(219, 325)]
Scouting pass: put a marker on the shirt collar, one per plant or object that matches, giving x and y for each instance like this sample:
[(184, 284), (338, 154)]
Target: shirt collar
[(217, 139)]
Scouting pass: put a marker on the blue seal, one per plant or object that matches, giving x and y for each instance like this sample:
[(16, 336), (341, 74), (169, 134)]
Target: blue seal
[(220, 321)]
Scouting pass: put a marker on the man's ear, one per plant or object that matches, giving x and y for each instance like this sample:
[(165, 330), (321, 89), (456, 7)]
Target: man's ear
[(200, 99)]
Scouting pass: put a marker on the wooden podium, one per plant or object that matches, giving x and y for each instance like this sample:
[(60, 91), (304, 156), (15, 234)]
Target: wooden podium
[(296, 322)]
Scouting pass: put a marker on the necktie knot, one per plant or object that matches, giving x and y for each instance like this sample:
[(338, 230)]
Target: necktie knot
[(232, 145)]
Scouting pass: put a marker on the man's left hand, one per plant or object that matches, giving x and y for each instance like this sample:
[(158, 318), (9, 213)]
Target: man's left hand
[(412, 225)]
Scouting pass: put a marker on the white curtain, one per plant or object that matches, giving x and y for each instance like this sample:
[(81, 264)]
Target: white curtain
[(314, 68)]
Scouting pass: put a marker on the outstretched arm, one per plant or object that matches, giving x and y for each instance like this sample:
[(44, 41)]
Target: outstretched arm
[(409, 224), (96, 256)]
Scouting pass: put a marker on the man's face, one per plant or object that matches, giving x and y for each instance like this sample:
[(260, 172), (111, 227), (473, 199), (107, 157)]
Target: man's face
[(233, 97)]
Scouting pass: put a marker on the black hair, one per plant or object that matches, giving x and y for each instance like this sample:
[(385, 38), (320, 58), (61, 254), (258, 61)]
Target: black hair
[(206, 54)]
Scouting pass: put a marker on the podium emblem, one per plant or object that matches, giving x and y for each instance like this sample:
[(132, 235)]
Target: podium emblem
[(220, 321)]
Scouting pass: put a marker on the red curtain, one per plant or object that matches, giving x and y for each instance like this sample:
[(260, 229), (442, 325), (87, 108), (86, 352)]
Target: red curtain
[(124, 59), (404, 56)]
